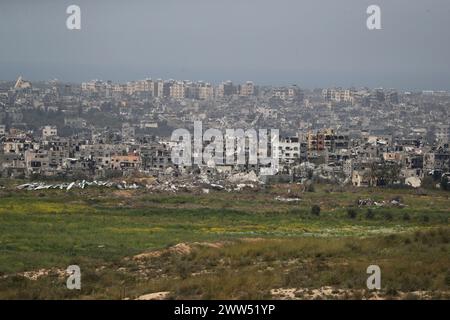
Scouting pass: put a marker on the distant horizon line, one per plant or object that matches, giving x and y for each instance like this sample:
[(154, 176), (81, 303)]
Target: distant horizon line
[(216, 83)]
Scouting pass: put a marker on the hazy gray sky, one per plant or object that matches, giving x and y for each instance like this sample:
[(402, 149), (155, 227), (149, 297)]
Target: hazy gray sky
[(313, 43)]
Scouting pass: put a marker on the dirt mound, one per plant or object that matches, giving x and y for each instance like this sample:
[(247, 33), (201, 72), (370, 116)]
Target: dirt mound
[(322, 293), (155, 296), (181, 248), (36, 274), (325, 293), (214, 245)]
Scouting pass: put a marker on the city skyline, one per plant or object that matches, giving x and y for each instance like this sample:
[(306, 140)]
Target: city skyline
[(214, 84)]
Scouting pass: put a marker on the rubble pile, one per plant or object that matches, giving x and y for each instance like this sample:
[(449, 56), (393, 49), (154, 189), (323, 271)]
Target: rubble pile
[(34, 186), (365, 202), (164, 183), (282, 199), (396, 202)]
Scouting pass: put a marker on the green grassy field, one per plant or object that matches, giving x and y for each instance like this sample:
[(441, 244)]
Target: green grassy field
[(102, 229)]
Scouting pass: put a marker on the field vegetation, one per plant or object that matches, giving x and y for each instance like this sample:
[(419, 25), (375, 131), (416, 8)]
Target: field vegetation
[(246, 245)]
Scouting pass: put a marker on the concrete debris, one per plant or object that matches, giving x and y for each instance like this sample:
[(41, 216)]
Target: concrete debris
[(307, 166), (34, 186), (414, 182), (282, 199), (365, 202), (396, 202), (217, 186), (242, 186), (243, 177), (172, 183)]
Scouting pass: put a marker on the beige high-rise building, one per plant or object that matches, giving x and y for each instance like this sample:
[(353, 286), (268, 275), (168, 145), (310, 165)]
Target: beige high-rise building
[(225, 89), (178, 90), (93, 86), (247, 89), (118, 88), (205, 91), (143, 85)]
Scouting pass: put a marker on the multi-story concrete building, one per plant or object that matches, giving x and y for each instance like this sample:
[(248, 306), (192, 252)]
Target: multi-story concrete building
[(321, 140), (37, 161), (247, 89), (337, 95), (205, 91), (158, 88), (225, 89), (178, 90), (126, 162), (289, 150), (290, 93), (49, 131)]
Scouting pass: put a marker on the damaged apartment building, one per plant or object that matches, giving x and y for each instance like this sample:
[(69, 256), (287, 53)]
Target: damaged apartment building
[(355, 136)]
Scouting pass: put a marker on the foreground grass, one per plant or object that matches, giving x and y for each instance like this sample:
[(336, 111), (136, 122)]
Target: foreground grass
[(97, 229), (251, 269)]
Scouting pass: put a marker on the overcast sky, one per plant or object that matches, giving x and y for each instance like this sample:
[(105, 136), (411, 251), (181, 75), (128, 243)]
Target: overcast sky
[(313, 43)]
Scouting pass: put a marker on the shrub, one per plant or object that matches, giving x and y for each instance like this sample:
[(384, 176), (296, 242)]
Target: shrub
[(370, 214), (352, 213), (388, 216), (315, 210), (406, 216)]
